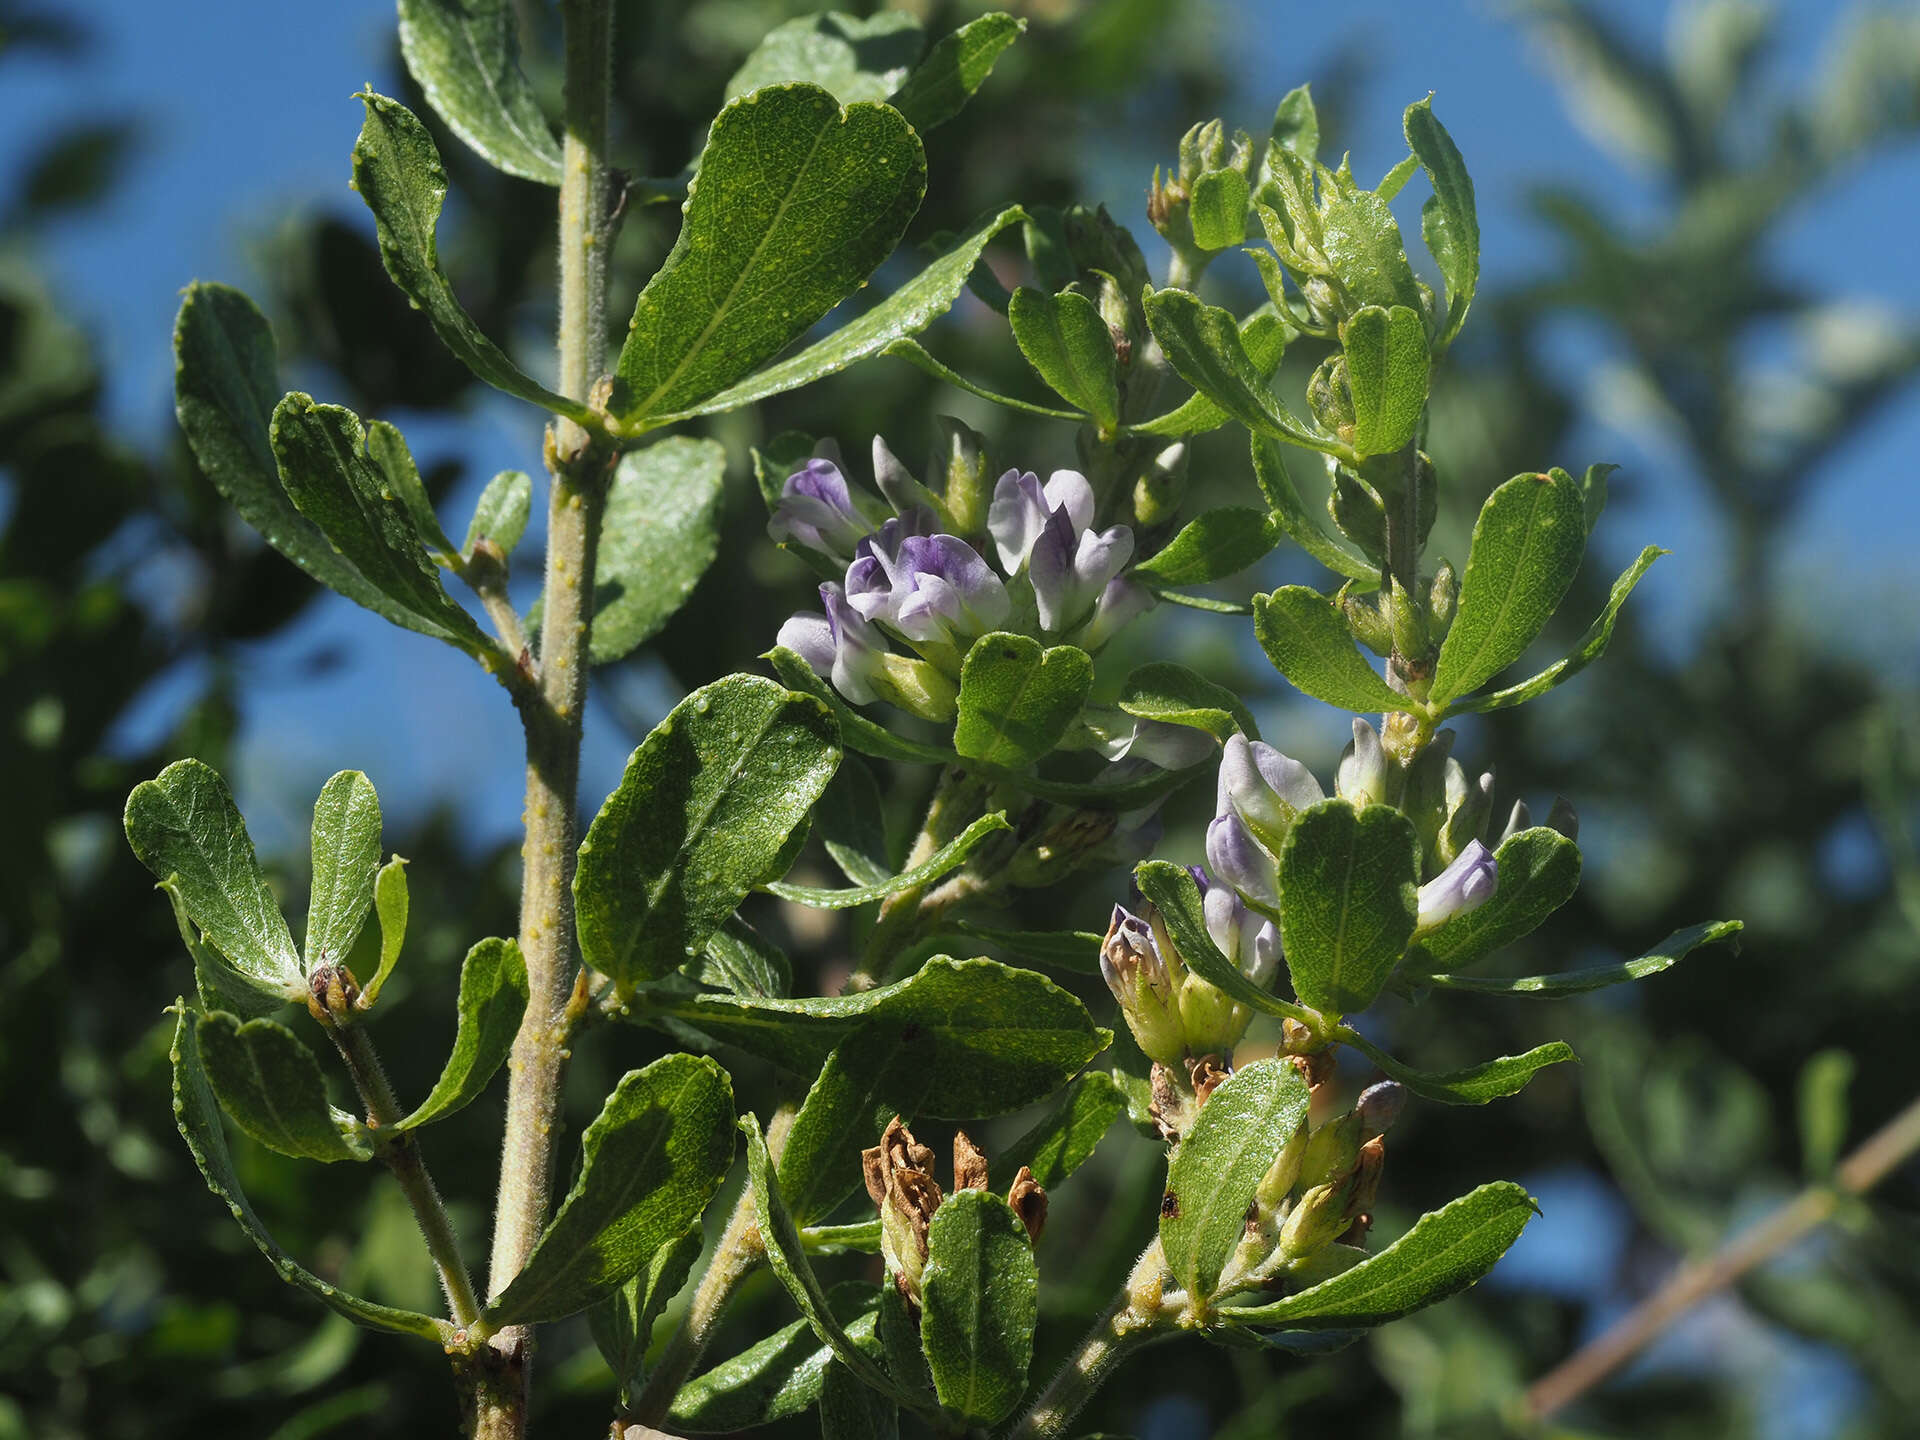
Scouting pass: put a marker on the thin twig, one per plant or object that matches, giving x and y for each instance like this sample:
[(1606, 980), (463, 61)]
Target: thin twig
[(1866, 1167)]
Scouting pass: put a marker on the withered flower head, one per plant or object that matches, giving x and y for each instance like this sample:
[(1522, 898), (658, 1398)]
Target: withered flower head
[(1029, 1202)]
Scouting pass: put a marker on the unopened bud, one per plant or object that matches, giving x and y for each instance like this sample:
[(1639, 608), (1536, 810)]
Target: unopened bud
[(1145, 983), (1368, 625), (1161, 487), (1408, 620), (1362, 777), (1331, 1150), (1315, 1219), (1357, 512), (1520, 818), (1442, 596), (1379, 1106), (1281, 1176), (916, 686), (1562, 818), (1202, 148), (1330, 397), (959, 465)]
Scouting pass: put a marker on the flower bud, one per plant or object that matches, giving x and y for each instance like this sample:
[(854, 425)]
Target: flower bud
[(1520, 818), (1379, 1106), (1331, 1150), (1315, 1220), (816, 511), (1234, 856), (1368, 625), (1264, 788), (1284, 1173), (1144, 981), (959, 466), (916, 686), (1202, 148), (1362, 777), (1160, 488), (901, 490), (1466, 884), (1442, 597), (1469, 805), (1562, 817), (1330, 397), (1253, 948), (1423, 797)]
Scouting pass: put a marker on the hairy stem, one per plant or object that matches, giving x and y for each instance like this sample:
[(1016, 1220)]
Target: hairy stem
[(737, 1255), (1135, 1318), (578, 465), (956, 803), (1866, 1167), (401, 1151)]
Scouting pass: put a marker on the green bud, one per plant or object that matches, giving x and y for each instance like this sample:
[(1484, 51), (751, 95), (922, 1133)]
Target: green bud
[(1424, 796), (1406, 617), (1161, 487), (1211, 1021), (1331, 1150), (1561, 817), (1469, 806), (916, 686), (1316, 1220), (1442, 597), (1368, 625), (960, 466), (1330, 397), (1282, 1175), (1145, 977), (1202, 148), (1356, 509)]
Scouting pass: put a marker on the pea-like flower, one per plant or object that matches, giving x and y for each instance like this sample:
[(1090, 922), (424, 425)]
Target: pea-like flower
[(816, 511), (1466, 884), (934, 589), (1253, 947), (1174, 1015), (840, 643), (1264, 789)]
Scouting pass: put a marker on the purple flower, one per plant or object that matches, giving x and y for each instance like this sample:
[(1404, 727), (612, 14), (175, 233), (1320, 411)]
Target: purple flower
[(871, 578), (1070, 568), (816, 511), (1264, 789), (1237, 858), (1253, 949), (944, 592), (1021, 507), (840, 644), (1119, 603), (1466, 884)]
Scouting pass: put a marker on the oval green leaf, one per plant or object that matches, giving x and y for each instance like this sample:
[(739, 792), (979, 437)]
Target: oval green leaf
[(1348, 883), (346, 853), (1308, 641), (1386, 354), (1017, 700), (493, 997), (1070, 347), (1211, 546), (466, 56), (980, 1298), (271, 1085)]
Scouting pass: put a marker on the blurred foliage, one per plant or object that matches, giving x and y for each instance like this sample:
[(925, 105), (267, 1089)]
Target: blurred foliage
[(1722, 780)]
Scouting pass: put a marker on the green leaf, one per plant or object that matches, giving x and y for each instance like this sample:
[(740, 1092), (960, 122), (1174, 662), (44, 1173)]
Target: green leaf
[(851, 821), (1218, 1165), (493, 997), (1069, 347), (1386, 354), (797, 202), (346, 852), (1203, 345), (850, 1411), (958, 65), (989, 1039), (789, 1261), (214, 978), (706, 803), (1306, 638), (329, 475), (1075, 951), (909, 310), (1292, 517), (622, 1324), (1348, 884), (947, 858), (390, 904), (466, 56), (226, 386), (1263, 335), (271, 1085), (1823, 1111), (501, 516), (1527, 546), (185, 828), (1539, 869), (851, 58), (740, 959), (1063, 1138), (1173, 892), (1446, 1251), (780, 1376), (1362, 242), (866, 1081), (1591, 647), (197, 1114), (1175, 695), (1664, 956), (398, 173), (862, 734), (661, 532), (387, 448), (980, 1298), (1296, 125), (1016, 700), (1214, 544), (649, 1165), (1475, 1084), (1593, 496), (1448, 221), (1217, 209)]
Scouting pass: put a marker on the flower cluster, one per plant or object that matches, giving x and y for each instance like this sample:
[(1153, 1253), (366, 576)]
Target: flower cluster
[(920, 576)]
